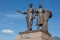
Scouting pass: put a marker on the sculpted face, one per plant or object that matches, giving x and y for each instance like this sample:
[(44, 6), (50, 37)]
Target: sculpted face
[(40, 6), (31, 6)]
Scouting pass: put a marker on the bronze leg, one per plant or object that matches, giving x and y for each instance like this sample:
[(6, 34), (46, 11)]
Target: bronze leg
[(45, 28)]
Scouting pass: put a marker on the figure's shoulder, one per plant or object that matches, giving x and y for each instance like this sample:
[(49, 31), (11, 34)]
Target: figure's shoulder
[(48, 11)]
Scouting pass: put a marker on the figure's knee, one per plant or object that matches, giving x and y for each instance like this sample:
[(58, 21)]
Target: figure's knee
[(37, 25), (41, 25), (30, 29)]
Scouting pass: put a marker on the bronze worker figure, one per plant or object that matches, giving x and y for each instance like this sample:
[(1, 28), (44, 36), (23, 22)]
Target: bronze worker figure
[(29, 17), (40, 17), (47, 15)]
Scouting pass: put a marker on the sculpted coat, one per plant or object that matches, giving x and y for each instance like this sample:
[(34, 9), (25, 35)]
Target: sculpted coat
[(47, 15), (40, 17), (29, 17)]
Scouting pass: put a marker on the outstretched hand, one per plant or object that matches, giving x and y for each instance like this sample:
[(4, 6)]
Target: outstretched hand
[(19, 11)]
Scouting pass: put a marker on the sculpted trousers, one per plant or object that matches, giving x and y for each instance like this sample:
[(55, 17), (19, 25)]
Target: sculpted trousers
[(45, 23), (45, 28), (40, 20), (29, 24)]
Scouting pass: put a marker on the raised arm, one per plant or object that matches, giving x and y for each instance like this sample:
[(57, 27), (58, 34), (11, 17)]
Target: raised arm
[(21, 12)]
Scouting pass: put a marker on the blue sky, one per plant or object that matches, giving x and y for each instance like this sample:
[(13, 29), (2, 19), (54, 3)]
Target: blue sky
[(11, 22)]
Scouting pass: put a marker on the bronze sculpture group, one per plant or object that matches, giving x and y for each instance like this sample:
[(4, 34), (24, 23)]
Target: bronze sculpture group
[(42, 17)]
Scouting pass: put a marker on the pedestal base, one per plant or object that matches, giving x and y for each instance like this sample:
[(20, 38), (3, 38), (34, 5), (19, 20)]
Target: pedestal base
[(33, 35)]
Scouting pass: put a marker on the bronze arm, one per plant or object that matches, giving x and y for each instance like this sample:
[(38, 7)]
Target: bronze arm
[(21, 12)]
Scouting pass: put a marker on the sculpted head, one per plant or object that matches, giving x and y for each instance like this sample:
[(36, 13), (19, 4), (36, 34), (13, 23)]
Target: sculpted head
[(49, 13), (40, 6), (31, 5)]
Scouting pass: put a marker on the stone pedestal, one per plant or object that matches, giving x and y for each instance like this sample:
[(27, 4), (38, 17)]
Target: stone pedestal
[(34, 35)]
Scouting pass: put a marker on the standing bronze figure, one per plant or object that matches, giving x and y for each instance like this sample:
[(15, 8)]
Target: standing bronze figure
[(47, 15), (29, 17), (40, 17)]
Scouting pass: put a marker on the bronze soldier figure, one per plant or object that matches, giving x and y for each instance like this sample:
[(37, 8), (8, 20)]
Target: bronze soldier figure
[(29, 17), (40, 17), (47, 15)]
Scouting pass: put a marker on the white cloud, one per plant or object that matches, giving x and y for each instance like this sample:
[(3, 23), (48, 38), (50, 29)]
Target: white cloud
[(8, 31)]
